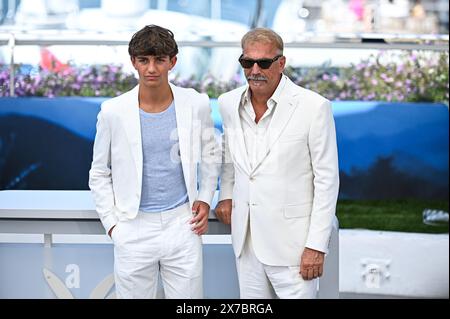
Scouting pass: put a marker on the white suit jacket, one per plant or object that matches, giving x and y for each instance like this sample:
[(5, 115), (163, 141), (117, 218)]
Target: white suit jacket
[(115, 178), (289, 197)]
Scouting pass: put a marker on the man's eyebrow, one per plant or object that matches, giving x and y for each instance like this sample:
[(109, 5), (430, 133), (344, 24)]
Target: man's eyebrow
[(155, 56)]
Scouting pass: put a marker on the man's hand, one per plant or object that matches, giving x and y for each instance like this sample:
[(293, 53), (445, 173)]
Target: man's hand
[(200, 210), (223, 211), (311, 264)]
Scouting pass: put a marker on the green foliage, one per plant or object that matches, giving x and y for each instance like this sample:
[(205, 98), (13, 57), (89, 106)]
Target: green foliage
[(95, 80), (389, 215), (402, 77), (390, 76)]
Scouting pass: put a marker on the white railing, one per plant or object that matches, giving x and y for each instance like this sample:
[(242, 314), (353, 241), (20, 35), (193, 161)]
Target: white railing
[(439, 42)]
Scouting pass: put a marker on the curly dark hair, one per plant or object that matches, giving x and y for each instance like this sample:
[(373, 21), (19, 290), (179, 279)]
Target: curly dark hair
[(153, 40)]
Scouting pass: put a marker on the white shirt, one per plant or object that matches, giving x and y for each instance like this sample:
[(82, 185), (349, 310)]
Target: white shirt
[(255, 134)]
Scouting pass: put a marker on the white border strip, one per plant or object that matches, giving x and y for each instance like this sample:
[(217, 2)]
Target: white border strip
[(46, 213), (81, 239), (91, 239), (216, 239), (21, 238)]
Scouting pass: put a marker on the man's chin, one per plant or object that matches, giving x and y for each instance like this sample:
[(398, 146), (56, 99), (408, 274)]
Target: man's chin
[(257, 84), (152, 84)]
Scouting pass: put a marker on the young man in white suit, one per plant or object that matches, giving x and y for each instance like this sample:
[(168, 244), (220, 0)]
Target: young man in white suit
[(279, 181), (143, 178)]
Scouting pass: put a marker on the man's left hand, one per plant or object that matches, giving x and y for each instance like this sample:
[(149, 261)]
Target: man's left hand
[(200, 210), (311, 264)]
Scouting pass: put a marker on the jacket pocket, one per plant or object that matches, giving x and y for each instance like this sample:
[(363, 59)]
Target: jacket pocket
[(114, 233), (292, 138), (298, 211)]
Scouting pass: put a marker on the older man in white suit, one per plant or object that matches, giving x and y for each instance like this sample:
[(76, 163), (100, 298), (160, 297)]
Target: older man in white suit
[(280, 180)]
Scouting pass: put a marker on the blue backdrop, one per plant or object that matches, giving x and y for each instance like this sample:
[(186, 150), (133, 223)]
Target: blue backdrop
[(386, 150)]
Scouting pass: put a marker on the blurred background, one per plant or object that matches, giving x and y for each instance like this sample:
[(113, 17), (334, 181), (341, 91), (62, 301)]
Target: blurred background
[(384, 64), (209, 30)]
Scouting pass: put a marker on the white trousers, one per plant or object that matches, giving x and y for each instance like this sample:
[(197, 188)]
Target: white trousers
[(260, 281), (156, 244)]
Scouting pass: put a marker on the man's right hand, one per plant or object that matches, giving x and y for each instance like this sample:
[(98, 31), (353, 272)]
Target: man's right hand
[(223, 211), (110, 231)]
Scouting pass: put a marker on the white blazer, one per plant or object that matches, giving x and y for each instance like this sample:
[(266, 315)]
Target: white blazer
[(115, 178), (290, 196)]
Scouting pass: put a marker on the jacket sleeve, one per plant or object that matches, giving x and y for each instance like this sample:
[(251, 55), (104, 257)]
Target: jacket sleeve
[(100, 180), (209, 165), (324, 159), (227, 167)]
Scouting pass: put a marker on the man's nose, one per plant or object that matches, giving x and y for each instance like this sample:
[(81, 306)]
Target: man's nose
[(151, 67), (255, 69)]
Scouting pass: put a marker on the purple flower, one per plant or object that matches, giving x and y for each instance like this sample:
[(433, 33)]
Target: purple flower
[(383, 77)]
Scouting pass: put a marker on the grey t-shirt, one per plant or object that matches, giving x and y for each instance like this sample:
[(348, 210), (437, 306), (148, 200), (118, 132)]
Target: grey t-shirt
[(163, 186)]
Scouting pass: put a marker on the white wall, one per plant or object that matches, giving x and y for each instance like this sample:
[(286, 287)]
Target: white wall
[(394, 263), (370, 262)]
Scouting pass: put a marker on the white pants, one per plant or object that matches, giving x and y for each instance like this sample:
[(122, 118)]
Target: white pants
[(158, 243), (260, 281)]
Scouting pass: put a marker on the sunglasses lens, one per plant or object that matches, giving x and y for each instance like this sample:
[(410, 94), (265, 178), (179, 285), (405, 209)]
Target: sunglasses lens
[(264, 64), (246, 64)]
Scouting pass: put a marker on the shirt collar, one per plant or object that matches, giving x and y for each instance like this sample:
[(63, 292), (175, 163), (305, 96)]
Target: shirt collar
[(277, 94)]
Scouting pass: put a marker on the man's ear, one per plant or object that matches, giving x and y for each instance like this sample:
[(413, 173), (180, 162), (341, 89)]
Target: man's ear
[(282, 63), (133, 61), (173, 61)]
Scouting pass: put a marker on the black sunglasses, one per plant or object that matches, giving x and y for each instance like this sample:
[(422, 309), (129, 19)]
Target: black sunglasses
[(262, 63)]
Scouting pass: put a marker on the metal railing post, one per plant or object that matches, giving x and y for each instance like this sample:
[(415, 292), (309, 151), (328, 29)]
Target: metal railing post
[(12, 82)]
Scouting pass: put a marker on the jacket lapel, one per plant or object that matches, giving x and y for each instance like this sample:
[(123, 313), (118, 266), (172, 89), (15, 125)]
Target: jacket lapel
[(183, 111), (283, 113), (238, 134), (133, 128)]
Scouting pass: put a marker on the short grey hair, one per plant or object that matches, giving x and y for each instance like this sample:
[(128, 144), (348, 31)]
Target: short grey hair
[(263, 35)]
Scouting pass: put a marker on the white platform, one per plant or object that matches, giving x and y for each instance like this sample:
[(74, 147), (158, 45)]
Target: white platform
[(57, 234)]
